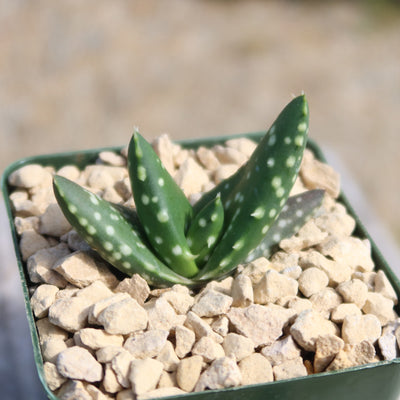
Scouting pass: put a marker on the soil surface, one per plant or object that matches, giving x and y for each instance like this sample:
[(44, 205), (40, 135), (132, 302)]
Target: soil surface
[(82, 74)]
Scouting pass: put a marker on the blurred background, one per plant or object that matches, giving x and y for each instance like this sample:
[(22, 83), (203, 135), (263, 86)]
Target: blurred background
[(79, 75)]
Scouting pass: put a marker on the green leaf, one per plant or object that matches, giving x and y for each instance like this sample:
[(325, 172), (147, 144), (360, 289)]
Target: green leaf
[(162, 207), (261, 188), (106, 231), (206, 229), (297, 211)]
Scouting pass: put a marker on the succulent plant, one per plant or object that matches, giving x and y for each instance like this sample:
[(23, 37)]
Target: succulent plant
[(168, 241)]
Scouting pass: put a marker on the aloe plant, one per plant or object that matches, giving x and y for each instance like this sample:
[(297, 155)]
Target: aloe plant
[(167, 240)]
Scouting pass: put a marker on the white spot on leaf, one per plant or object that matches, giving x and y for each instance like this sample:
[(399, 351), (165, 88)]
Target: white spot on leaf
[(145, 199), (177, 250), (163, 216), (141, 171), (258, 213)]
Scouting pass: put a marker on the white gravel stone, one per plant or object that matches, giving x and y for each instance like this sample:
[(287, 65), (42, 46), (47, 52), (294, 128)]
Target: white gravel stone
[(229, 155), (136, 287), (208, 349), (188, 372), (224, 286), (184, 340), (96, 393), (380, 306), (325, 301), (25, 224), (207, 158), (242, 291), (31, 242), (73, 390), (110, 382), (168, 357), (97, 308), (47, 331), (53, 378), (281, 260), (95, 292), (244, 145), (350, 251), (100, 177), (221, 325), (384, 287), (191, 177), (256, 269), (43, 297), (70, 172), (80, 269), (201, 328), (97, 338), (180, 298), (343, 310), (353, 291), (77, 363), (224, 171), (290, 369), (327, 347), (282, 350), (74, 241), (70, 314), (355, 328), (144, 375), (127, 394), (121, 364), (51, 348), (337, 272), (23, 206), (29, 176), (367, 277), (299, 304), (318, 175), (161, 314), (111, 158), (212, 303), (254, 369), (123, 317), (107, 353), (262, 324), (40, 265), (164, 148), (293, 271), (168, 379), (336, 221), (53, 222), (222, 373), (309, 326), (146, 344), (308, 235), (274, 286), (237, 346), (353, 355), (388, 341), (312, 280)]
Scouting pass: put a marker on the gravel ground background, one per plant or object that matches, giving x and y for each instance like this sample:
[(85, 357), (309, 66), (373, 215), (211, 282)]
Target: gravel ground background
[(79, 75)]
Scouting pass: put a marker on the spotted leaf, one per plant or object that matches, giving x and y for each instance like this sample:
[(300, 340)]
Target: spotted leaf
[(103, 227), (261, 189), (296, 212), (162, 207), (206, 229)]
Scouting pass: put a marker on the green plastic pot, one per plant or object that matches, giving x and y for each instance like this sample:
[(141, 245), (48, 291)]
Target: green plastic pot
[(379, 380)]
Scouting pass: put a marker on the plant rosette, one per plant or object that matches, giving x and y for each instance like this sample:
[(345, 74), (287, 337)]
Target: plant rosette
[(170, 269)]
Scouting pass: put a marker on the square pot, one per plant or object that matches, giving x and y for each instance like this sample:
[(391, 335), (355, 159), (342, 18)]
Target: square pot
[(376, 380)]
